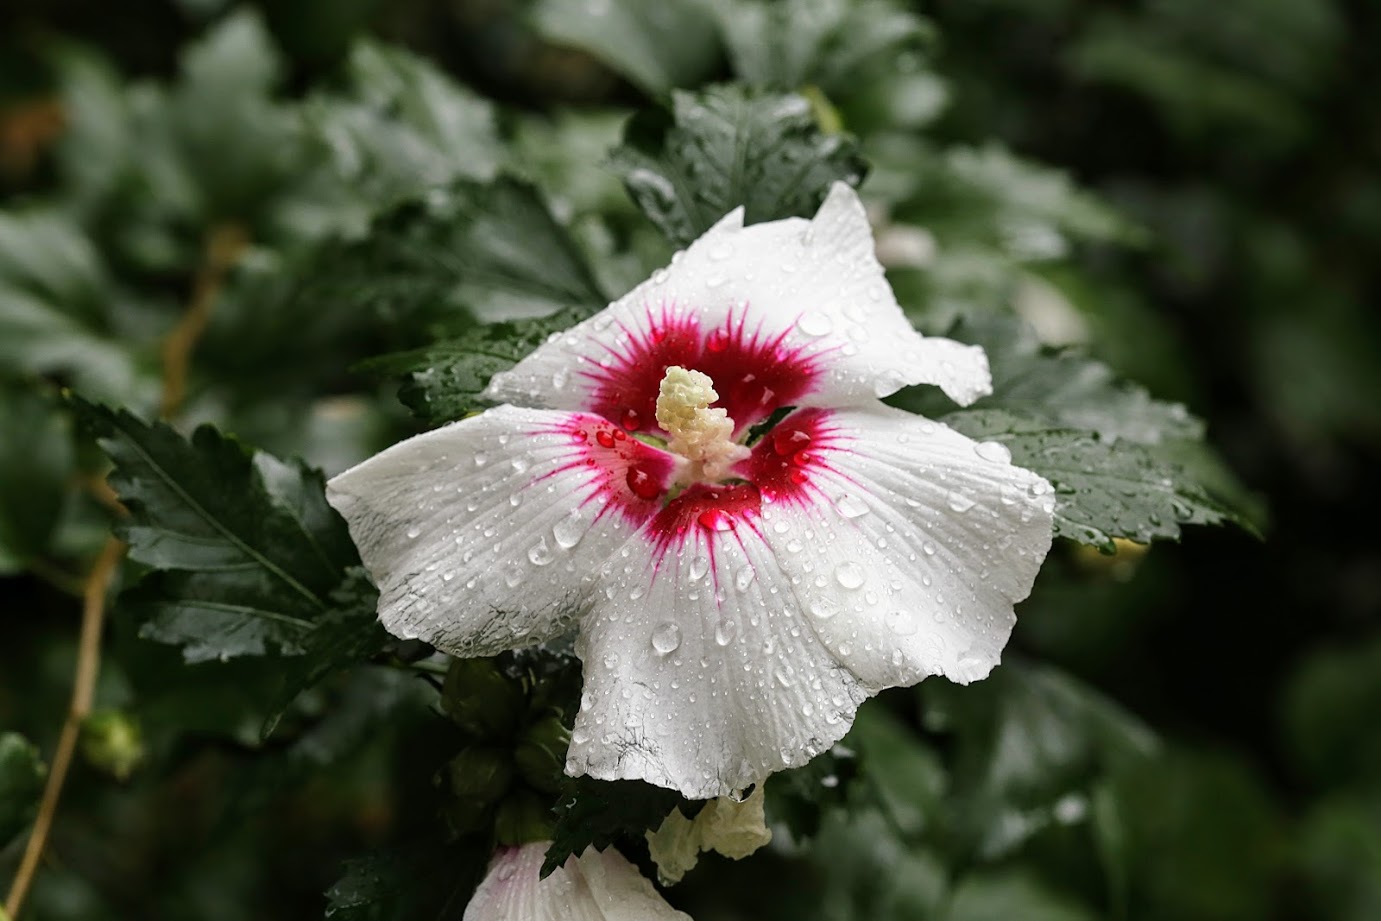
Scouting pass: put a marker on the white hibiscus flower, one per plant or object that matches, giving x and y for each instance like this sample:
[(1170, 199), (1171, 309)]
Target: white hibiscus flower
[(735, 601), (593, 887)]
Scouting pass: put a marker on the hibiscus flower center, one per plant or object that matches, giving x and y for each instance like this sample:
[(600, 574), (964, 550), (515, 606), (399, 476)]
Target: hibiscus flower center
[(702, 434)]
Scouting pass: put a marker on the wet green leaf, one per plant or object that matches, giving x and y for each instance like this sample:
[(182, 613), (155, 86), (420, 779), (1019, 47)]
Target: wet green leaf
[(246, 551), (728, 146), (1103, 490), (596, 813), (658, 46)]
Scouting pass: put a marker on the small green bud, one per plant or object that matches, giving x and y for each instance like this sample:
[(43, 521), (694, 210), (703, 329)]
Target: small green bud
[(477, 778), (480, 699), (112, 742), (541, 754), (523, 818)]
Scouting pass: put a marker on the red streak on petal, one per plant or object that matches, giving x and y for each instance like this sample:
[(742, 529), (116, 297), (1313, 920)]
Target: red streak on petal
[(630, 477), (706, 508), (753, 372), (781, 467)]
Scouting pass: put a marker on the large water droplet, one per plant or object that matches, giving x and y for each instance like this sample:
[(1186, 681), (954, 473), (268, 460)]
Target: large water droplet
[(814, 323), (698, 567), (724, 632), (745, 578), (850, 507), (823, 608), (960, 502), (414, 532), (568, 531), (994, 451), (666, 638), (901, 623), (540, 554), (849, 575)]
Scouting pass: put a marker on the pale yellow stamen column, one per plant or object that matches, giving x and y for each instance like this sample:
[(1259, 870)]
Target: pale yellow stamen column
[(702, 435)]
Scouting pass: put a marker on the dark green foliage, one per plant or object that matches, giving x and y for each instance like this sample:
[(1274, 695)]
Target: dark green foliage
[(492, 249), (36, 460), (444, 380), (714, 150), (801, 798), (427, 881), (597, 813), (1103, 489), (21, 782)]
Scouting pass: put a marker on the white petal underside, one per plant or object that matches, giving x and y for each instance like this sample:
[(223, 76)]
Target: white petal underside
[(593, 887), (482, 535), (816, 282)]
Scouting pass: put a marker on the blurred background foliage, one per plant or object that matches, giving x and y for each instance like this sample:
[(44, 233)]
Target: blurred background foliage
[(1190, 192)]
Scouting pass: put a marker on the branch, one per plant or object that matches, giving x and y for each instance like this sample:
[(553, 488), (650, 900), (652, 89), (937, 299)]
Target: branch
[(83, 693)]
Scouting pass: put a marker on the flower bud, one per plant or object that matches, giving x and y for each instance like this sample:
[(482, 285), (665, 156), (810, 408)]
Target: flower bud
[(541, 754), (111, 742), (480, 699), (478, 778)]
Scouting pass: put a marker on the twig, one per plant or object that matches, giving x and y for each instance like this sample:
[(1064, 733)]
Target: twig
[(224, 244), (83, 693)]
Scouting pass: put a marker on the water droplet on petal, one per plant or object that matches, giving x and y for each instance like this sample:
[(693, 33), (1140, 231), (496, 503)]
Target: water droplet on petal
[(823, 608), (568, 531), (666, 638), (698, 567), (540, 554), (744, 578), (850, 507), (960, 502), (814, 323), (994, 451), (414, 532), (724, 632), (849, 575)]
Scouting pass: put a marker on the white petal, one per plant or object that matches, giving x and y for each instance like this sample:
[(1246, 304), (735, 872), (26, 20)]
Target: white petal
[(593, 887), (484, 535), (912, 543), (789, 312), (701, 671)]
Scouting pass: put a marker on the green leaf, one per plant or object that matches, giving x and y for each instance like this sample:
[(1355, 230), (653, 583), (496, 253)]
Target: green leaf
[(490, 248), (728, 146), (596, 813), (904, 775), (404, 127), (788, 44), (1328, 708), (1102, 490), (425, 881), (1031, 745), (1060, 388), (444, 380), (36, 463), (800, 798), (247, 550), (348, 633), (658, 46), (22, 773), (1010, 894), (55, 307)]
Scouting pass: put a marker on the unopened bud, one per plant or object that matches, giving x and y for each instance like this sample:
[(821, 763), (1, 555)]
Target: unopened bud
[(478, 778), (111, 742), (541, 754), (480, 699)]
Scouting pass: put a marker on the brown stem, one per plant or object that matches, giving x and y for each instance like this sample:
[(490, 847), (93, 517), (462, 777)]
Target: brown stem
[(83, 693), (224, 244)]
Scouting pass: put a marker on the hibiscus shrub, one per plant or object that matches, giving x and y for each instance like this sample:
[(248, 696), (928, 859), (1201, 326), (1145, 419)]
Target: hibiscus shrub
[(539, 488)]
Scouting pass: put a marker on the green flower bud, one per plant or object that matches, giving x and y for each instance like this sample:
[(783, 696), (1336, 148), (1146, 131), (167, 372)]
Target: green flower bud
[(523, 818), (480, 699), (541, 754), (478, 778), (111, 742)]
